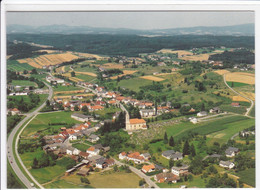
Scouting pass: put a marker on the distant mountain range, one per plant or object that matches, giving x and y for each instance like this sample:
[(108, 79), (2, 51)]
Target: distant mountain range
[(235, 30)]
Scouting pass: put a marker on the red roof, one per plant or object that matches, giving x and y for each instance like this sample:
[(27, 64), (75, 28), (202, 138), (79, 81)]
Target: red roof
[(123, 153), (15, 109), (92, 148), (137, 121), (97, 107)]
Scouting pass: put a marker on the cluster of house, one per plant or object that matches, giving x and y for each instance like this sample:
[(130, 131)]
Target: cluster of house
[(247, 133), (90, 159), (136, 157), (92, 106), (54, 80), (19, 90), (194, 120)]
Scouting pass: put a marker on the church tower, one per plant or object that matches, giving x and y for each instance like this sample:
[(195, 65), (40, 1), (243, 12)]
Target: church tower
[(127, 122)]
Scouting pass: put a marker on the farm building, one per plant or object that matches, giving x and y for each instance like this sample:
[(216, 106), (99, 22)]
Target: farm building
[(235, 104), (214, 110)]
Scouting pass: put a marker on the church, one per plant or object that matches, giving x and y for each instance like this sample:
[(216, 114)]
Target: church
[(135, 124)]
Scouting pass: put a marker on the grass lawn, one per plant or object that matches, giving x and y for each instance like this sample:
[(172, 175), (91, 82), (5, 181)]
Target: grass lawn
[(252, 112), (81, 147), (247, 176), (107, 113), (47, 174), (23, 83), (229, 108), (41, 121), (236, 84), (113, 179), (60, 184), (28, 157), (196, 182), (66, 88)]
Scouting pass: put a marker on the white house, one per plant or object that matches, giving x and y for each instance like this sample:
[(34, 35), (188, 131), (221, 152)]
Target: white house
[(122, 156), (93, 151), (231, 152), (226, 164), (72, 151), (179, 171), (202, 113), (73, 137)]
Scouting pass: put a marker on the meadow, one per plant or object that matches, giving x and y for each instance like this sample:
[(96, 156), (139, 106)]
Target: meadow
[(14, 65)]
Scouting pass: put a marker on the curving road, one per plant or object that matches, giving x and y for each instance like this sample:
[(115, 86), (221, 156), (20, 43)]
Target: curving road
[(252, 102), (10, 141)]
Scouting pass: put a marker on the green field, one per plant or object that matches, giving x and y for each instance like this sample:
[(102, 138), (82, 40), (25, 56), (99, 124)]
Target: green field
[(86, 78), (181, 130), (236, 84), (252, 112), (23, 83), (41, 121), (61, 184), (16, 66), (247, 176), (43, 175), (134, 83), (229, 108)]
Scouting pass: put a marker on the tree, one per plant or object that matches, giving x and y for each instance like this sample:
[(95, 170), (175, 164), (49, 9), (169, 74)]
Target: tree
[(171, 163), (192, 150), (186, 148), (202, 106), (165, 139), (84, 180), (72, 74), (35, 163), (48, 103), (141, 182), (34, 71), (115, 168), (85, 110), (76, 108), (171, 141)]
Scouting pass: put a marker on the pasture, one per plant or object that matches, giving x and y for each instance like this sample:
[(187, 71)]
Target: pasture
[(67, 88), (86, 73), (236, 84), (113, 66), (239, 99), (152, 78), (241, 77), (134, 83), (179, 52), (199, 57), (126, 72)]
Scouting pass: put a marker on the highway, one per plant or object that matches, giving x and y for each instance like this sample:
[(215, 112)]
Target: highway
[(10, 142), (252, 102)]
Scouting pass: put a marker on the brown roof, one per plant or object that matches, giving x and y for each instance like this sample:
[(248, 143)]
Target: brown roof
[(148, 167), (123, 153), (166, 177), (136, 121), (84, 154)]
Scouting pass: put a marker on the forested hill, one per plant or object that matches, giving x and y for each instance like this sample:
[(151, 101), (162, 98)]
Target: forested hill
[(131, 45)]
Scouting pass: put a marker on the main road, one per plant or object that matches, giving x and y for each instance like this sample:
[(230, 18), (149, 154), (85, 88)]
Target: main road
[(252, 102), (11, 158)]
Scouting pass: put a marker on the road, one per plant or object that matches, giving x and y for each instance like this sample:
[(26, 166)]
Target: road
[(252, 102), (140, 174), (10, 142)]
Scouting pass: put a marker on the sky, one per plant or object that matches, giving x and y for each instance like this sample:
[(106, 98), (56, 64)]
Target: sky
[(131, 20)]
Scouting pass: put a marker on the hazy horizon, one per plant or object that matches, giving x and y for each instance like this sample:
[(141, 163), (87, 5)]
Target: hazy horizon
[(131, 20)]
